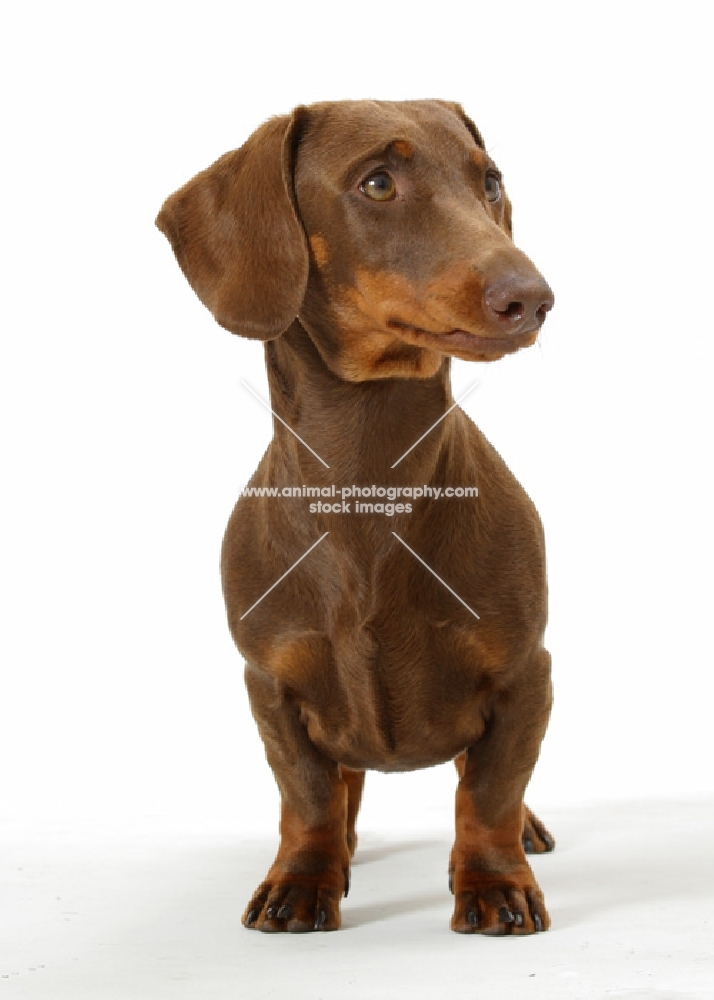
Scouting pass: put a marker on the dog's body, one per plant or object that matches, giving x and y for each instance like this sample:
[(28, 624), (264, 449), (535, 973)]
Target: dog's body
[(367, 243)]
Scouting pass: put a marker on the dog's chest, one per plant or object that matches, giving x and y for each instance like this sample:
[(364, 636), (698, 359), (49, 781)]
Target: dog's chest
[(393, 671), (394, 699)]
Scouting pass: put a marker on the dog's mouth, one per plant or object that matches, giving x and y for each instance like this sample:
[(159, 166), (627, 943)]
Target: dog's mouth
[(461, 344)]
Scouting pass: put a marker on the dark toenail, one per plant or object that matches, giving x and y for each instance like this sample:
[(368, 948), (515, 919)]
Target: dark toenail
[(548, 841), (537, 922), (528, 845), (518, 920), (320, 920), (451, 883), (270, 913), (505, 916), (251, 917), (347, 884), (472, 918), (285, 912)]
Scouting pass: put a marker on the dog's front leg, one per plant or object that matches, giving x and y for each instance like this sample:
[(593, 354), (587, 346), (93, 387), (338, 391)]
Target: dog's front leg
[(494, 887), (305, 883)]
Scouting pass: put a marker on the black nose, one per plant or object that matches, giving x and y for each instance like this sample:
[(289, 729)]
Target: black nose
[(518, 303)]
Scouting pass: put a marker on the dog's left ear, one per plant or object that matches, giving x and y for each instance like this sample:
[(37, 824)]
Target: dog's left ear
[(507, 215), (237, 236), (507, 218), (460, 113)]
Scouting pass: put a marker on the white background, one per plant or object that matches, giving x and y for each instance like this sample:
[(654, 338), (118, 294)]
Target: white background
[(127, 434)]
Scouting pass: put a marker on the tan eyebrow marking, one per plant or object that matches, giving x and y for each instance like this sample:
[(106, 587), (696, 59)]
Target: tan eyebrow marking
[(403, 148)]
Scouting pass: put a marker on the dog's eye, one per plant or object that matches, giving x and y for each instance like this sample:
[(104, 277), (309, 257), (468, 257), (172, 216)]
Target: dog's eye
[(379, 186), (493, 187)]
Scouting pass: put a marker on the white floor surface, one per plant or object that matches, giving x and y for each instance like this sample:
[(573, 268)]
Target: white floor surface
[(149, 914)]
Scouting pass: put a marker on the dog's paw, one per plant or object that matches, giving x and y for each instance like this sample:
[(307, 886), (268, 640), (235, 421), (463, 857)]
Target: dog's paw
[(536, 839), (490, 904), (296, 904)]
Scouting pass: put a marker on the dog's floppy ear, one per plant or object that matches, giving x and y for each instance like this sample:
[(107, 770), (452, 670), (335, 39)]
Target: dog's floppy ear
[(460, 113), (508, 215), (507, 218), (237, 236)]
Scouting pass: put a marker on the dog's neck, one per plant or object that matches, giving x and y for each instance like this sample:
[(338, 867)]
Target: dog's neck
[(358, 429)]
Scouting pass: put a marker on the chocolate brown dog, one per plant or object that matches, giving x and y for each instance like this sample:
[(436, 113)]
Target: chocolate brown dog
[(368, 243)]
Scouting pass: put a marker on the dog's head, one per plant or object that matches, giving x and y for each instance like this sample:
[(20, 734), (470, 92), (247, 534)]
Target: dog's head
[(383, 227)]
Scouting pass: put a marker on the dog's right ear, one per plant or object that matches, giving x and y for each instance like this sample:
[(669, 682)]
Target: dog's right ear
[(237, 236)]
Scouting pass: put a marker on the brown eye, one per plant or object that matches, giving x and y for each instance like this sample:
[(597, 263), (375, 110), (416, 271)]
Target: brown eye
[(379, 186), (493, 187)]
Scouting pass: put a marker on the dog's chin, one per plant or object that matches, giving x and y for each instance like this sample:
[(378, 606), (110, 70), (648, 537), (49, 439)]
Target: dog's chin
[(464, 345)]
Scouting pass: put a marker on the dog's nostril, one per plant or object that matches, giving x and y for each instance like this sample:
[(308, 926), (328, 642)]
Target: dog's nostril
[(542, 310), (514, 310)]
